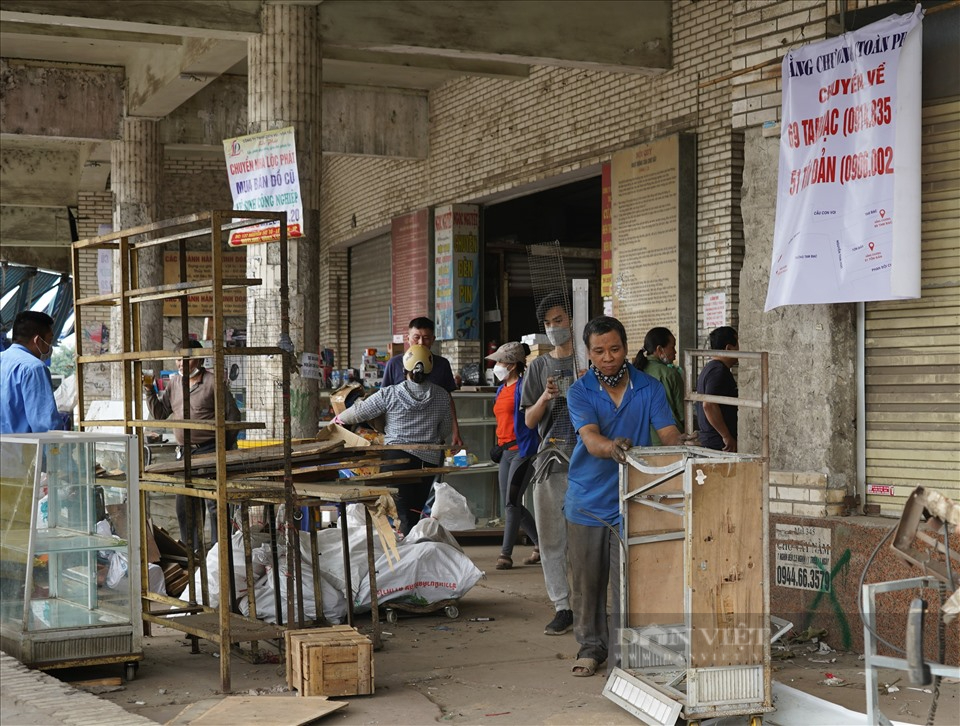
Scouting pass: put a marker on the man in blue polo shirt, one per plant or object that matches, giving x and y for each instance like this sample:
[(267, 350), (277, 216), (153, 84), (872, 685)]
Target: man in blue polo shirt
[(612, 407), (27, 404)]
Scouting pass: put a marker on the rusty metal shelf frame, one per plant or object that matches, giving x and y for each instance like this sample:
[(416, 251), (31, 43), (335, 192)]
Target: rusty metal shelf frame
[(128, 242)]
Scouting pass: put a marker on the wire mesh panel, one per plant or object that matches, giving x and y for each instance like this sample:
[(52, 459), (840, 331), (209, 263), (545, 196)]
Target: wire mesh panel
[(552, 295)]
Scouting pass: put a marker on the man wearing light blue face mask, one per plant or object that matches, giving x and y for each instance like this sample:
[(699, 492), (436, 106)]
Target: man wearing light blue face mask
[(544, 405), (27, 404)]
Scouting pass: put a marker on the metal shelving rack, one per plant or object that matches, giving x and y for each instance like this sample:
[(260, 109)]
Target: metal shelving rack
[(223, 625)]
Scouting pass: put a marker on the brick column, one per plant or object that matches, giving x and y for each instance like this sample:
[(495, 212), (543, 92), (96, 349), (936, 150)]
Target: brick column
[(136, 163), (284, 90)]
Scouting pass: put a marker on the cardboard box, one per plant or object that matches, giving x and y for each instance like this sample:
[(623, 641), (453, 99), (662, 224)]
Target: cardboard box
[(538, 350), (344, 395), (334, 661), (336, 432)]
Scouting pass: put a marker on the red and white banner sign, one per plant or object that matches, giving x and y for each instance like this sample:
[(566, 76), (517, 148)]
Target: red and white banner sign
[(263, 176), (848, 195)]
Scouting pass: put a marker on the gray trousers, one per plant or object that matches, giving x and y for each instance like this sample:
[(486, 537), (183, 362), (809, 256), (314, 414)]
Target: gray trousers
[(594, 554), (548, 496)]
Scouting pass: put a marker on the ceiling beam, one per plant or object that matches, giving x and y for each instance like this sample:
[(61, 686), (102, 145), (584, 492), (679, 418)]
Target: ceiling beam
[(52, 101), (40, 172), (159, 82), (224, 19), (34, 226), (628, 37)]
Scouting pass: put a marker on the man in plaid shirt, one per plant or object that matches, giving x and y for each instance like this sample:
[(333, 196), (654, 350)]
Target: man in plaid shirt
[(417, 412)]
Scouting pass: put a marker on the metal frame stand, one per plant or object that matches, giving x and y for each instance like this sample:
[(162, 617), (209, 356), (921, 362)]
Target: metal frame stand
[(872, 661)]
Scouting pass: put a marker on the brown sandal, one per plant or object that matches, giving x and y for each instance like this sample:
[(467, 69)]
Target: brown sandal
[(504, 562), (534, 558)]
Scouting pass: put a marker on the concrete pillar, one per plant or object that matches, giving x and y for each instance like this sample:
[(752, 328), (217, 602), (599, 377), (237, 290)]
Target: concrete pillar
[(136, 163), (284, 80), (812, 348)]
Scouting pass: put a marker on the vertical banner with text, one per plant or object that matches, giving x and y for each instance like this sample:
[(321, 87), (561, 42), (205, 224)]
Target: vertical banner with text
[(262, 171), (653, 198), (848, 194), (456, 233), (606, 233)]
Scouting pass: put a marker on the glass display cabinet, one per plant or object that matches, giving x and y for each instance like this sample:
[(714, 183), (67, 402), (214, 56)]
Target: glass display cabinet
[(478, 483), (69, 549)]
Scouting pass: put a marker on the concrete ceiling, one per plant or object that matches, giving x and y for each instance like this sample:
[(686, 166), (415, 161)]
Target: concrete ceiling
[(154, 59)]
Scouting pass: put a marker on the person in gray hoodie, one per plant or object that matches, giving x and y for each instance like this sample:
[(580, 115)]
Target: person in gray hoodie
[(416, 412)]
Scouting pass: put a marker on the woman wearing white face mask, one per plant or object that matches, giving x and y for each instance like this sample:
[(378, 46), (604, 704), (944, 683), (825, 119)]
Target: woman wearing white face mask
[(516, 444), (659, 352)]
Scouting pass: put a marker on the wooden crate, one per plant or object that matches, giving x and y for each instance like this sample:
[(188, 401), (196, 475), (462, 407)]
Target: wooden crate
[(334, 661)]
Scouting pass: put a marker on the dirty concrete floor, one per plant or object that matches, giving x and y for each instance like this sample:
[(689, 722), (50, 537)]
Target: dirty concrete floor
[(503, 671)]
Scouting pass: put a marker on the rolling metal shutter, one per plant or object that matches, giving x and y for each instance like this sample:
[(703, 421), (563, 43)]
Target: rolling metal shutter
[(369, 299), (912, 347)]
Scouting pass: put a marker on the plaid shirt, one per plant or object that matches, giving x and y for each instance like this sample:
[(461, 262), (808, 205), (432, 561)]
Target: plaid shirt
[(416, 413)]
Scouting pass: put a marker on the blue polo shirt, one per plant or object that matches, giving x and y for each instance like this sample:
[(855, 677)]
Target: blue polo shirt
[(27, 404), (593, 484)]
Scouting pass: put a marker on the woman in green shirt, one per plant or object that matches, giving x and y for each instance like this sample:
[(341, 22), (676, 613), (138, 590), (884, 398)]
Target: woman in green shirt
[(659, 351)]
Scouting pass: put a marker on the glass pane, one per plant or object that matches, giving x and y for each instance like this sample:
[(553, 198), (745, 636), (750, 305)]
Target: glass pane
[(17, 476)]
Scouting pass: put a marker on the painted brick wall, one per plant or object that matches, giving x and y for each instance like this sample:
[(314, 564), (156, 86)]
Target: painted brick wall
[(192, 185), (489, 135), (764, 32)]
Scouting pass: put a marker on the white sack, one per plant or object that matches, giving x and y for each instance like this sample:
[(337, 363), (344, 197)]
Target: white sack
[(452, 509), (427, 572)]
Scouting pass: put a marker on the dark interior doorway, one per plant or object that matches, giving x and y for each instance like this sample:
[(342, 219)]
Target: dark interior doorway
[(570, 214)]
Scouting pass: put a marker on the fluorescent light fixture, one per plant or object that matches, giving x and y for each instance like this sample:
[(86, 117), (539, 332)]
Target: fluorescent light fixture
[(643, 701)]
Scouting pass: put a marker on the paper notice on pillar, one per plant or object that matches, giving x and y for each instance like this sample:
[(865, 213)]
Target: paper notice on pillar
[(848, 195), (310, 365), (263, 176)]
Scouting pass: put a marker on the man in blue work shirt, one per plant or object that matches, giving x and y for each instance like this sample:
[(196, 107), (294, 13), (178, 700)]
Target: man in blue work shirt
[(612, 407), (27, 404)]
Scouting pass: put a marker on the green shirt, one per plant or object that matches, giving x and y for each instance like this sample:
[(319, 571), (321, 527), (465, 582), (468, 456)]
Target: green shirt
[(673, 384)]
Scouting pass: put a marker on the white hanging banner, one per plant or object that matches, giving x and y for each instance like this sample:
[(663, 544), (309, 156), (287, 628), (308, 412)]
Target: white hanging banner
[(262, 173), (848, 195)]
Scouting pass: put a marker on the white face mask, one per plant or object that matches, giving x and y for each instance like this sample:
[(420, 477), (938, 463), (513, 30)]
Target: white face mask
[(501, 372), (558, 336)]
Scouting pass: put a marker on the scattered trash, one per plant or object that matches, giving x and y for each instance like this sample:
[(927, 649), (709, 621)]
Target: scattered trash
[(140, 703), (505, 713), (481, 620), (832, 680), (442, 627), (921, 690), (162, 691), (893, 689), (810, 635), (824, 648), (822, 660)]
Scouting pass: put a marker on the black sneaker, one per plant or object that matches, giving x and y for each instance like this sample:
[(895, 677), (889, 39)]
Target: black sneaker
[(561, 623)]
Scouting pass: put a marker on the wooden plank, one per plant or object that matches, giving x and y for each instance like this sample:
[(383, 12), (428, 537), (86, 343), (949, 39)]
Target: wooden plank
[(725, 565), (654, 562), (273, 710)]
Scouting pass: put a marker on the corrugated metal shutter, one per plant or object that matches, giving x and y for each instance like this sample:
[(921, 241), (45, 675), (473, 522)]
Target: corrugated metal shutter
[(912, 347), (369, 299)]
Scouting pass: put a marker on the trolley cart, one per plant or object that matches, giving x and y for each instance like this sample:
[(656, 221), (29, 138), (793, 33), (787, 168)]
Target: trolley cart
[(449, 607)]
